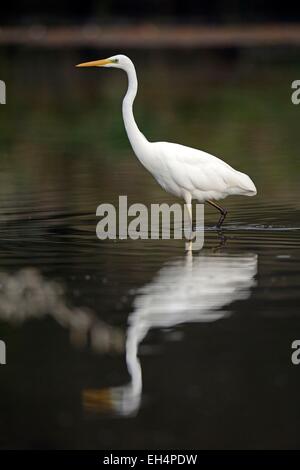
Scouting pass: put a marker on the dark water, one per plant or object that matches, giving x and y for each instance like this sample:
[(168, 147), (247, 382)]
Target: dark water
[(136, 344)]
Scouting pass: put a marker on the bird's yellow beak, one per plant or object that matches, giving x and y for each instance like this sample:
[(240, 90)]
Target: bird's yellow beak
[(97, 400), (95, 63)]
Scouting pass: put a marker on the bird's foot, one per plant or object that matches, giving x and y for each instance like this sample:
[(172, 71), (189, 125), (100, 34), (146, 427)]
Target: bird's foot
[(222, 241)]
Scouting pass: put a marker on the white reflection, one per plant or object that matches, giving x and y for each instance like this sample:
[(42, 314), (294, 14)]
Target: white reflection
[(187, 290), (27, 294)]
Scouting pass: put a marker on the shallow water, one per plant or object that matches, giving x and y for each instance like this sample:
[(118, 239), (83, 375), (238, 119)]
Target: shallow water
[(136, 344)]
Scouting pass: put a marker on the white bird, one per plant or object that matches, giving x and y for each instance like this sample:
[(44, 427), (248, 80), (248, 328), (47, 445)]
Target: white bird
[(183, 171)]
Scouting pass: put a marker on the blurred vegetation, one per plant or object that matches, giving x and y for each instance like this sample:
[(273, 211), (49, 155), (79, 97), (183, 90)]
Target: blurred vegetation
[(63, 145), (239, 108)]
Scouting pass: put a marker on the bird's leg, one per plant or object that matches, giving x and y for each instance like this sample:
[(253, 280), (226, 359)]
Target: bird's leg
[(222, 241), (188, 203), (191, 234), (221, 210), (189, 208)]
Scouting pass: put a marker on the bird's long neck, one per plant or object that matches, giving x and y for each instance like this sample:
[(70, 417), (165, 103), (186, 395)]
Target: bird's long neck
[(137, 139)]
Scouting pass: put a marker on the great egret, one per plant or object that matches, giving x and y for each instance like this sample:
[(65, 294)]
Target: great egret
[(183, 171)]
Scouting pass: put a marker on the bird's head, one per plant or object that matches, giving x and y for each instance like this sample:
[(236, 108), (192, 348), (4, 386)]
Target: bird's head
[(117, 61)]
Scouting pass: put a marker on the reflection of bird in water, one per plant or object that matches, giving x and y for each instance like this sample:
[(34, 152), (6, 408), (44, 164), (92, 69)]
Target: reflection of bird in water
[(187, 290), (27, 294)]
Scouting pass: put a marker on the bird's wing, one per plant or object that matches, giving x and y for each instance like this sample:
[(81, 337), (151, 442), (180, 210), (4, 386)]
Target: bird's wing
[(193, 169)]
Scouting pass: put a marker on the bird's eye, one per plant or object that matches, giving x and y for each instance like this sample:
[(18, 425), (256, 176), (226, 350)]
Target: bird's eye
[(115, 61)]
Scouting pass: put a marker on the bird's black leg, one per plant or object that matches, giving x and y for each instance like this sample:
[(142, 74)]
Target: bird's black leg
[(222, 210), (222, 217)]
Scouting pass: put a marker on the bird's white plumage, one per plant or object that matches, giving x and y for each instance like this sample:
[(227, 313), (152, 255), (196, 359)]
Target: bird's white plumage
[(180, 170), (183, 171)]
